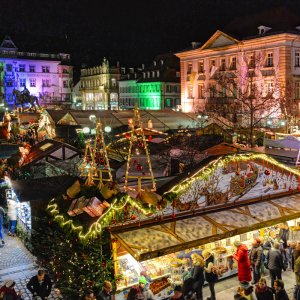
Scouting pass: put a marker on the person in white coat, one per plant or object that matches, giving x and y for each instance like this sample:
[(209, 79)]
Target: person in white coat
[(12, 213)]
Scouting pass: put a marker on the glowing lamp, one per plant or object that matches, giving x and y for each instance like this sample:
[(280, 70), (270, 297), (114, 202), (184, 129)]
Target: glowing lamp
[(86, 130), (107, 129)]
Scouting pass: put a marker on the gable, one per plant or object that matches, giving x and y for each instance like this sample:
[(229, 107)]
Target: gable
[(218, 40), (7, 43), (222, 41), (67, 119)]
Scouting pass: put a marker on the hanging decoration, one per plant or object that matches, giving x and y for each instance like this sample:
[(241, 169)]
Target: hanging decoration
[(138, 162)]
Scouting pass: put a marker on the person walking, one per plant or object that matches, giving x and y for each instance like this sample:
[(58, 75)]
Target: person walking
[(197, 273), (256, 260), (210, 276), (242, 258), (2, 215), (275, 263), (280, 292), (106, 293), (297, 276), (262, 291), (40, 285), (12, 213)]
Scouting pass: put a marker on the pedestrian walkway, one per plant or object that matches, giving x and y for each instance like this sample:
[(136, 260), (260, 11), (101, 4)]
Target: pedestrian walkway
[(225, 289), (18, 264)]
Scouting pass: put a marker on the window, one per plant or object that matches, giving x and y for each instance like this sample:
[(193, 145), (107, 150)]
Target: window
[(270, 87), (189, 67), (8, 67), (65, 71), (45, 69), (9, 83), (251, 62), (297, 89), (212, 63), (223, 64), (201, 66), (297, 59), (32, 82), (32, 69), (168, 102), (65, 83), (233, 63), (200, 91), (22, 82), (21, 68), (113, 82), (269, 60), (46, 83), (190, 92), (213, 90)]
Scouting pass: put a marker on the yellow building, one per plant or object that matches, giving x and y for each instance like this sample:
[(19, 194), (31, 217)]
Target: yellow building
[(271, 57)]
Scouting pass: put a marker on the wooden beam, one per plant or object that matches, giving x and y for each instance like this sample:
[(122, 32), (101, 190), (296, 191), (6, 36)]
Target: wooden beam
[(176, 236), (213, 222), (125, 245)]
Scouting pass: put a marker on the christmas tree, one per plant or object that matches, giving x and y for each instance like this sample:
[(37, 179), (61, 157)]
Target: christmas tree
[(138, 162)]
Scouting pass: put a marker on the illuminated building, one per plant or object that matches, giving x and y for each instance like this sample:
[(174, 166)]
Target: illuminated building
[(202, 64), (46, 75), (155, 87), (99, 86)]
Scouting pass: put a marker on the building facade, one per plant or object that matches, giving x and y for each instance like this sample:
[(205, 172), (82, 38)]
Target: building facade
[(271, 58), (155, 87), (99, 86), (47, 76)]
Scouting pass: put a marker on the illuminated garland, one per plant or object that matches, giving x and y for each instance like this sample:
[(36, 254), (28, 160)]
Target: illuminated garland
[(208, 170), (106, 219)]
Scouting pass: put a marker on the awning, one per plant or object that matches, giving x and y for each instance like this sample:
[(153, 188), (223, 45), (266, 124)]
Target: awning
[(154, 241)]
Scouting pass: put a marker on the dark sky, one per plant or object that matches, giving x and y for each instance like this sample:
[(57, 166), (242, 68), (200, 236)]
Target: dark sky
[(130, 31)]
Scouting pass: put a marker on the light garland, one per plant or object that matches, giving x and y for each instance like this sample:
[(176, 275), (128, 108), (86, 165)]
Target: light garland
[(104, 220), (206, 171)]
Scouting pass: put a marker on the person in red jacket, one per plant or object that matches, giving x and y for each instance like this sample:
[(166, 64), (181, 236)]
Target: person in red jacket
[(242, 258)]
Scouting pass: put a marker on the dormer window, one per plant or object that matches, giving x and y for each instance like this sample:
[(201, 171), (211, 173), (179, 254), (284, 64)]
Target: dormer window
[(212, 63), (201, 66), (263, 29), (251, 62)]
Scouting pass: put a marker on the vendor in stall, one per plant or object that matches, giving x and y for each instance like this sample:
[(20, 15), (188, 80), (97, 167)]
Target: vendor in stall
[(140, 292)]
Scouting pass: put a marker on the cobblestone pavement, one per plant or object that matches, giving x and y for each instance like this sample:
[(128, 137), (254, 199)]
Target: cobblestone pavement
[(18, 264)]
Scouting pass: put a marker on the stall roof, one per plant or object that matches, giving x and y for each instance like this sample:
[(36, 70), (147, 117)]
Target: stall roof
[(42, 189), (50, 148), (191, 232)]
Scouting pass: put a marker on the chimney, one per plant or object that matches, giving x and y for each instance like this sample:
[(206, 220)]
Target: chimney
[(195, 45), (263, 29)]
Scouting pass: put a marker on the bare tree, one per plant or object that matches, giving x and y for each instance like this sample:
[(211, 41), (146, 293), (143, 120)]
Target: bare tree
[(248, 98)]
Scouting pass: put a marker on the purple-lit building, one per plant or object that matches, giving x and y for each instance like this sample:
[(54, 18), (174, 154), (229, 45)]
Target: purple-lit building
[(49, 76)]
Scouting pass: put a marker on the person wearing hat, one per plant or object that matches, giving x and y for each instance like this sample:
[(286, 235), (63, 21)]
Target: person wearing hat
[(242, 258), (256, 259), (140, 292), (8, 290)]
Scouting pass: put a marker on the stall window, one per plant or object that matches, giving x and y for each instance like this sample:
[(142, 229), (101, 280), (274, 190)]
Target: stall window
[(244, 237)]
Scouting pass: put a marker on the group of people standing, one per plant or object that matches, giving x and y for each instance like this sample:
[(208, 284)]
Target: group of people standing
[(275, 254)]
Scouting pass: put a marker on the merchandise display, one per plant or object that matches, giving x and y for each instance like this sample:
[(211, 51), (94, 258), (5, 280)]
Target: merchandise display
[(165, 272)]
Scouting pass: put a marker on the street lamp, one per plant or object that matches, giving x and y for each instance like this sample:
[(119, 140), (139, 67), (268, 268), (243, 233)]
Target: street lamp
[(107, 129), (86, 130)]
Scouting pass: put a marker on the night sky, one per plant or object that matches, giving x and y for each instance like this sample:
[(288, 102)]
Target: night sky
[(132, 32)]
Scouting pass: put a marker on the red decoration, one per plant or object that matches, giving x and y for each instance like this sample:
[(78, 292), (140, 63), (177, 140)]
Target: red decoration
[(133, 217), (139, 167), (103, 264), (149, 137), (144, 173), (141, 145), (127, 135), (102, 161), (267, 172)]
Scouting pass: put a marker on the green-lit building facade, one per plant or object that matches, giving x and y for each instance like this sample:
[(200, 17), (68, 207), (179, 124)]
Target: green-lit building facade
[(154, 88)]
